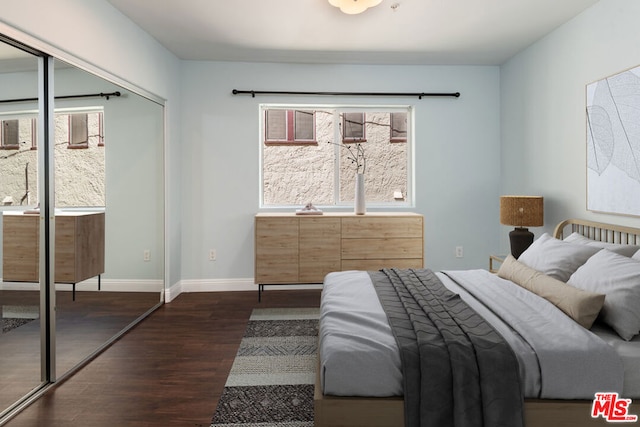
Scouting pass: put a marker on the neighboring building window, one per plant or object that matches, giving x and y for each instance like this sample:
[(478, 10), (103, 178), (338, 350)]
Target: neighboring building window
[(100, 131), (398, 127), (323, 173), (304, 125), (10, 135), (14, 132), (289, 126), (34, 134), (78, 131), (353, 127)]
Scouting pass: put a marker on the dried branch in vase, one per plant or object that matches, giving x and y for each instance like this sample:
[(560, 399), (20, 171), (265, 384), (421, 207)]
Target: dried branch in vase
[(356, 156)]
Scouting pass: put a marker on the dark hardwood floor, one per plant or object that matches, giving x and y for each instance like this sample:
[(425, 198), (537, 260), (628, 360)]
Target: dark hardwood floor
[(82, 326), (169, 370)]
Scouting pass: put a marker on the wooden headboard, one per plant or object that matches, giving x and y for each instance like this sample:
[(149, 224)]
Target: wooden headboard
[(599, 231)]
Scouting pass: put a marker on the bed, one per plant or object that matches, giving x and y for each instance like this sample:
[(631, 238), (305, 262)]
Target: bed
[(346, 394)]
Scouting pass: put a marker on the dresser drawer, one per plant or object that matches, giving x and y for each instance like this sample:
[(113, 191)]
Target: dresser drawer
[(368, 227), (382, 248), (377, 264)]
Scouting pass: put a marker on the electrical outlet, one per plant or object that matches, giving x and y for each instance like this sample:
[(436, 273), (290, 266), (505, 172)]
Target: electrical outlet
[(459, 252), (212, 254), (146, 255)]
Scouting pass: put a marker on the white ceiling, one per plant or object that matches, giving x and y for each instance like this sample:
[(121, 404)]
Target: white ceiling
[(452, 32)]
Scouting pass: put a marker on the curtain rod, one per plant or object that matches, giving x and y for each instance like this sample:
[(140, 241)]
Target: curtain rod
[(420, 95), (89, 95)]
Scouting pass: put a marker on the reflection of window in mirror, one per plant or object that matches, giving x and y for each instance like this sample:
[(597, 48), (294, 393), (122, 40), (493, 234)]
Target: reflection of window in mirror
[(80, 174), (18, 160), (78, 131)]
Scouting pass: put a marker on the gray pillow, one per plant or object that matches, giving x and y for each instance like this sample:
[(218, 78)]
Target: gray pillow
[(555, 257), (618, 277), (619, 248)]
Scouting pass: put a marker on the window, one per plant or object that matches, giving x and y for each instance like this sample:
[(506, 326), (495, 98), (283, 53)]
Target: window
[(14, 132), (78, 131), (34, 133), (398, 127), (323, 173), (289, 126), (10, 135), (353, 127)]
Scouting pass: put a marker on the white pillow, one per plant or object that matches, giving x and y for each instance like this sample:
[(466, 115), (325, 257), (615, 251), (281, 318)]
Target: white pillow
[(555, 257), (618, 277), (619, 248), (636, 255)]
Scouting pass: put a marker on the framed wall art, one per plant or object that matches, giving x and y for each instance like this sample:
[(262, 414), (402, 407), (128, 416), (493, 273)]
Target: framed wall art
[(613, 143)]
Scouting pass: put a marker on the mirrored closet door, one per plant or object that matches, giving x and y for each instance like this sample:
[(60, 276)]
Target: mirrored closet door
[(103, 173), (20, 338), (109, 193)]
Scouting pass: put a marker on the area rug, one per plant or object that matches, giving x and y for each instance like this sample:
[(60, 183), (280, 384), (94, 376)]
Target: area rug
[(14, 316), (272, 378)]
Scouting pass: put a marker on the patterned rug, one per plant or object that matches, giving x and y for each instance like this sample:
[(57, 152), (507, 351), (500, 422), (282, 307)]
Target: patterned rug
[(14, 316), (272, 378)]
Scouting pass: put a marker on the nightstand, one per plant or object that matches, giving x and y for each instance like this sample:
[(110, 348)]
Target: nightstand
[(495, 259)]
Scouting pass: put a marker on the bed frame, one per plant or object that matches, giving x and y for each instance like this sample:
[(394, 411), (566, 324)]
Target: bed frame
[(378, 412), (599, 231)]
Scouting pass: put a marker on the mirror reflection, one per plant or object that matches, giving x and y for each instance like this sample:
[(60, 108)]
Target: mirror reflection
[(109, 188), (109, 217), (20, 350)]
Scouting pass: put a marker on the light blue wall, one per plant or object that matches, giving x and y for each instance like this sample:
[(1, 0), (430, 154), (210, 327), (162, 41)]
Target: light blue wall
[(457, 155), (543, 107)]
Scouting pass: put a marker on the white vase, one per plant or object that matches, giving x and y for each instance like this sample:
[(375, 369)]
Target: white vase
[(359, 205)]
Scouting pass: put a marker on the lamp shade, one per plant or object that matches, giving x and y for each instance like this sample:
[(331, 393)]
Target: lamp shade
[(352, 7), (522, 211)]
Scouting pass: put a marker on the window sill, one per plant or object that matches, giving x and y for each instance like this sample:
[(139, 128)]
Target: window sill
[(291, 143)]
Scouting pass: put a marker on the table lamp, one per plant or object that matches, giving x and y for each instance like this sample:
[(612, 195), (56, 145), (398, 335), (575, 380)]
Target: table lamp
[(521, 212)]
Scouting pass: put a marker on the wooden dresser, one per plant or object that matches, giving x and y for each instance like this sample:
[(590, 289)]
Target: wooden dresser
[(299, 249), (79, 246)]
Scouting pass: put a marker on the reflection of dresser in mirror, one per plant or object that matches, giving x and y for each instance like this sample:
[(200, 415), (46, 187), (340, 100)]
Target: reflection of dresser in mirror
[(79, 247)]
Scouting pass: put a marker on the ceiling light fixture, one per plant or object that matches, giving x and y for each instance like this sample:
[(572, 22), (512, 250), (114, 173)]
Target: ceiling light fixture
[(352, 7)]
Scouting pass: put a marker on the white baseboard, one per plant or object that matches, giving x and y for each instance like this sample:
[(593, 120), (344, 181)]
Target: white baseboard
[(170, 293), (223, 285), (107, 285)]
